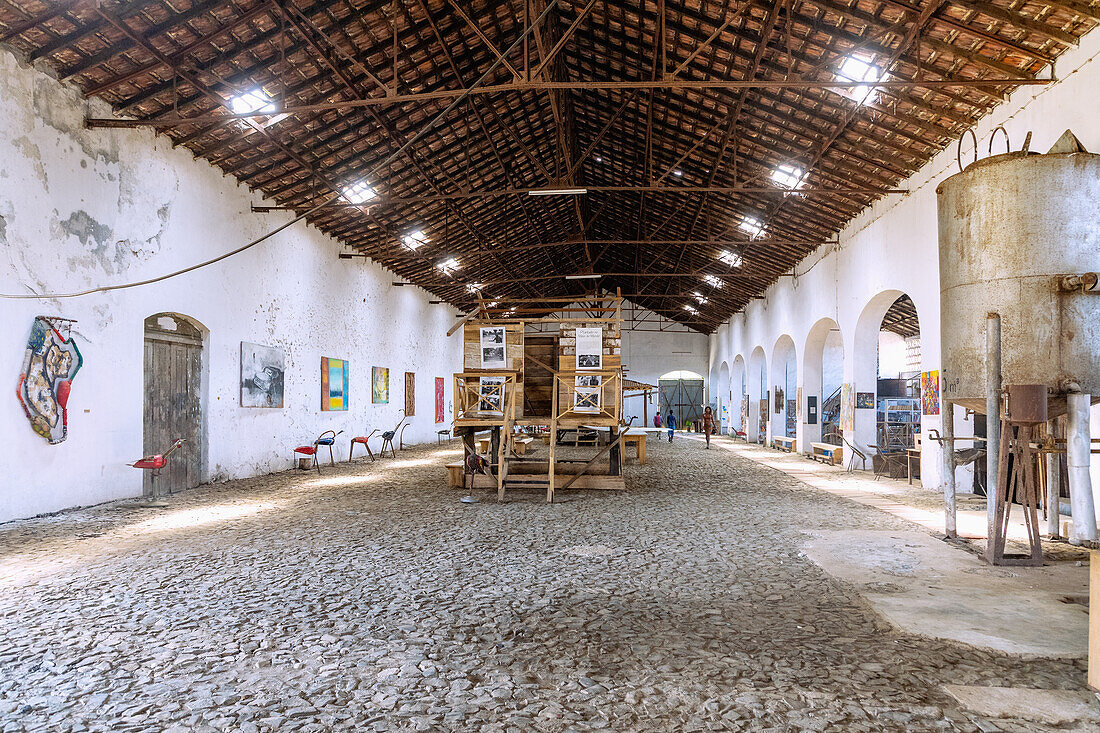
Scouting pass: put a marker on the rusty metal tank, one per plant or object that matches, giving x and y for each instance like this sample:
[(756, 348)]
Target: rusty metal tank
[(1010, 228)]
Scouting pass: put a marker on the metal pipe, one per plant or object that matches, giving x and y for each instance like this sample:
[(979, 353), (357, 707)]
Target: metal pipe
[(1077, 459), (947, 445), (992, 415), (1054, 484)]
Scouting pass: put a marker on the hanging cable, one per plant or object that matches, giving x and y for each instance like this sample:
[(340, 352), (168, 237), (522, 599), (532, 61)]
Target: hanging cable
[(264, 237)]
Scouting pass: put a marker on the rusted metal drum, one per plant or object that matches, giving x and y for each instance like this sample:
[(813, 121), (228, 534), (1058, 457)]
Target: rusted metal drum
[(1010, 226)]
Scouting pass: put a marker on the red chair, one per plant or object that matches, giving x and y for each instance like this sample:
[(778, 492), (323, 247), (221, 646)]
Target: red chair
[(326, 438), (155, 464), (362, 440)]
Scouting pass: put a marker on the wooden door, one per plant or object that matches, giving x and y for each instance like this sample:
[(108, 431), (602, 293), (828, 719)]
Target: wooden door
[(173, 374)]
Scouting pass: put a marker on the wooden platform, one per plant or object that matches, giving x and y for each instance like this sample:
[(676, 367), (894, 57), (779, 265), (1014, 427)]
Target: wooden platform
[(587, 481)]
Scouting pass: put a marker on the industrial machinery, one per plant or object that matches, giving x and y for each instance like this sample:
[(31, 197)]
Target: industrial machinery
[(1019, 305)]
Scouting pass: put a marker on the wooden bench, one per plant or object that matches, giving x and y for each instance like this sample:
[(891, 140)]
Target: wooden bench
[(827, 453), (639, 441), (783, 443), (521, 443), (454, 475)]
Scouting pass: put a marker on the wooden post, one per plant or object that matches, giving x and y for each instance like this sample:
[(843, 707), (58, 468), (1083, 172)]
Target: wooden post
[(1094, 620)]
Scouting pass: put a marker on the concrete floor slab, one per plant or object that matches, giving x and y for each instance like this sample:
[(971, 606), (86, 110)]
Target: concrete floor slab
[(1049, 707), (925, 586)]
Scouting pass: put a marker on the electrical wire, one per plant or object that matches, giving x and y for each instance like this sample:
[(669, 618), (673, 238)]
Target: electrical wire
[(264, 237)]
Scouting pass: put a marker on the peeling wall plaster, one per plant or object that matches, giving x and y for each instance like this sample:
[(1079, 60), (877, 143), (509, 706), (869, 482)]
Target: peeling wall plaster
[(82, 208)]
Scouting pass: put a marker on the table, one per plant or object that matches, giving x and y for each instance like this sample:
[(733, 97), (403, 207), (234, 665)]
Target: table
[(910, 454), (637, 436)]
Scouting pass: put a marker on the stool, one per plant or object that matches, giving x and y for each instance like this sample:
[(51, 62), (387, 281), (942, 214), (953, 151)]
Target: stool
[(362, 440), (326, 438)]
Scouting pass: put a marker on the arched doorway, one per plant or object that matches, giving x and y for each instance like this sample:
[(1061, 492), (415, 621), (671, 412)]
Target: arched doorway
[(173, 399), (681, 393), (725, 398), (740, 406), (784, 386), (823, 374), (887, 399), (757, 429)]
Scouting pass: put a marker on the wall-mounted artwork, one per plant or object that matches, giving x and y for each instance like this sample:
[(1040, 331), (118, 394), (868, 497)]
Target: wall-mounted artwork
[(440, 386), (49, 365), (847, 407), (589, 348), (865, 400), (930, 392), (262, 370), (334, 384), (492, 348), (410, 394), (380, 385)]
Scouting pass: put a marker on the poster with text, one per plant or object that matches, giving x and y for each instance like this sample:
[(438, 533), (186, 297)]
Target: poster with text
[(589, 348), (492, 348)]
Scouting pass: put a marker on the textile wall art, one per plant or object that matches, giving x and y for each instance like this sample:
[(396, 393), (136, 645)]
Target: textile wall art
[(380, 385), (440, 386), (262, 370), (49, 365), (334, 384), (847, 407)]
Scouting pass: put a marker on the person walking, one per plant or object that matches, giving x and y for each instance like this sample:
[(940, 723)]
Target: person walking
[(708, 424), (670, 423), (657, 420)]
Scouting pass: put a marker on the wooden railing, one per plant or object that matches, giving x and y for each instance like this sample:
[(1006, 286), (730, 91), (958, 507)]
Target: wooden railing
[(484, 398), (585, 401)]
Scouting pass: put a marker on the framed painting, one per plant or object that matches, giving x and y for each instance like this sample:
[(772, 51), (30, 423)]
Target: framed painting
[(380, 385), (262, 370), (410, 394), (334, 384), (930, 392)]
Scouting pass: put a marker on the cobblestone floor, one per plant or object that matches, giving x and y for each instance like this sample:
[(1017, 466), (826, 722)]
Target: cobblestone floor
[(372, 599)]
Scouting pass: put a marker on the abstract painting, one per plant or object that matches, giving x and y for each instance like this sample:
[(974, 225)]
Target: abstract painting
[(49, 365), (334, 384), (930, 392), (440, 386), (380, 385), (262, 369), (865, 400), (847, 407)]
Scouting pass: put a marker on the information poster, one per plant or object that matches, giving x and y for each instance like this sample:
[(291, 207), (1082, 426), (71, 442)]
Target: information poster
[(589, 348)]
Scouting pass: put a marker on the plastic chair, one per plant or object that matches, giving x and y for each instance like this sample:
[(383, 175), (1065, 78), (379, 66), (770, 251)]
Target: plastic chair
[(362, 440), (326, 438)]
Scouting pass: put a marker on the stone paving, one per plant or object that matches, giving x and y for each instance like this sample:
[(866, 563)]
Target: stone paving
[(372, 599)]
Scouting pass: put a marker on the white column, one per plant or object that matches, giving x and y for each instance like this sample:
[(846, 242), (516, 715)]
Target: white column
[(1078, 443)]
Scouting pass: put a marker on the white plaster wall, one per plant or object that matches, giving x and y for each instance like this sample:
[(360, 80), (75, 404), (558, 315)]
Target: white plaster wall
[(892, 246), (891, 355), (82, 208), (649, 354)]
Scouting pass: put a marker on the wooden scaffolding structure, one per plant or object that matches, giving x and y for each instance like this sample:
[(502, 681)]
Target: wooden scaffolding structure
[(544, 388)]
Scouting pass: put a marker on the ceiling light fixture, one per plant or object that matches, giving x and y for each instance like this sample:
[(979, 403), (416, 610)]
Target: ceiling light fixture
[(582, 277), (557, 192), (691, 309)]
